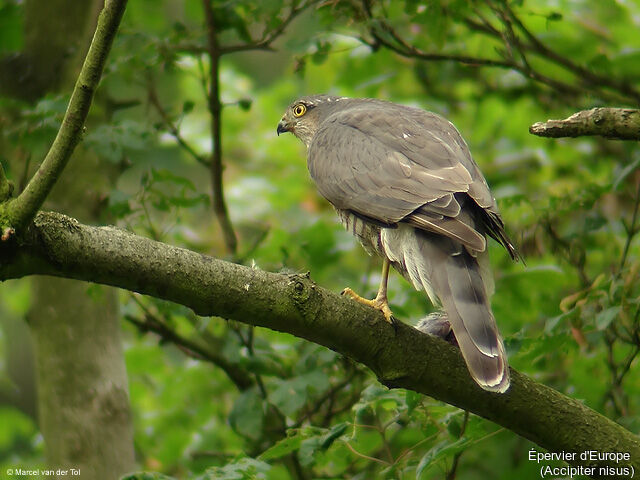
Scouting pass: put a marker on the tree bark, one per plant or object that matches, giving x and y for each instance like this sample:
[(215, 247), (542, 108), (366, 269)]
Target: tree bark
[(58, 245), (83, 396), (615, 123), (82, 390)]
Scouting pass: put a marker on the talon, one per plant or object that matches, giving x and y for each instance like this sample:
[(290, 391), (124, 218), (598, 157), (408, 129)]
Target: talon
[(379, 303), (395, 324)]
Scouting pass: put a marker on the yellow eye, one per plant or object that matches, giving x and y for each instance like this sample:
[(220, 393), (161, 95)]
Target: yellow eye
[(299, 110)]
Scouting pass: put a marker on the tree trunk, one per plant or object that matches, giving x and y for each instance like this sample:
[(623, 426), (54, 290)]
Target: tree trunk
[(83, 399)]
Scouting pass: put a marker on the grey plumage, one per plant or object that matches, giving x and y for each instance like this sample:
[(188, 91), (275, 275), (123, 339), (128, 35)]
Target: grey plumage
[(404, 183)]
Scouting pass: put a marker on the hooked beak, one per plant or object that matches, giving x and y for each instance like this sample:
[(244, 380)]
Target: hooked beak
[(283, 127)]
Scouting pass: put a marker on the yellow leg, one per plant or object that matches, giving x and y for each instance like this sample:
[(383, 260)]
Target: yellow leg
[(380, 302)]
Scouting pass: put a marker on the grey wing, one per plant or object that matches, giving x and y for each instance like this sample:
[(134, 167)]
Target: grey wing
[(394, 164)]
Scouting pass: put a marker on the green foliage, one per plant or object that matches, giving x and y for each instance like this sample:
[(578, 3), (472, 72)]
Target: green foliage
[(11, 33), (242, 469), (146, 476), (570, 317)]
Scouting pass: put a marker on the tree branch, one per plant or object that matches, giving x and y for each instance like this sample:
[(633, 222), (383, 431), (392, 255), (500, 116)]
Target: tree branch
[(215, 108), (154, 100), (58, 245), (265, 42), (19, 212), (618, 123), (194, 347)]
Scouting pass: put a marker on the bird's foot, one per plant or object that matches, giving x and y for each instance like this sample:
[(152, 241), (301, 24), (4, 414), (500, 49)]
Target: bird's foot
[(379, 303)]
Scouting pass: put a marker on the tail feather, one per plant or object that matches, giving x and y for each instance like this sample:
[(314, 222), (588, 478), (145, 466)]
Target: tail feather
[(461, 289), (452, 276)]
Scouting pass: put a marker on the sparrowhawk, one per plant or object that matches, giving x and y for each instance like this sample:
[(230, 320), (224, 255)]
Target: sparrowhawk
[(402, 180)]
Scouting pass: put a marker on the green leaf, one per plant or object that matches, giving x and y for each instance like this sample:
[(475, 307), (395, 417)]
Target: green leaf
[(291, 395), (146, 476), (166, 175), (552, 323), (245, 104), (247, 415), (119, 205), (290, 444), (282, 448), (187, 106), (413, 399), (605, 317), (335, 433), (243, 469), (554, 17), (321, 53), (438, 451), (308, 449)]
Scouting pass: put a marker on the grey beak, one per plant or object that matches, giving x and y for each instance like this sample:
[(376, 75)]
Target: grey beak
[(282, 127)]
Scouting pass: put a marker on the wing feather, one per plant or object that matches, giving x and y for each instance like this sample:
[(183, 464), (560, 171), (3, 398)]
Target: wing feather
[(399, 164)]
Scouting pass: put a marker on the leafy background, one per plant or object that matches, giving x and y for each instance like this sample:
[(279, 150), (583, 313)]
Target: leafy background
[(291, 409)]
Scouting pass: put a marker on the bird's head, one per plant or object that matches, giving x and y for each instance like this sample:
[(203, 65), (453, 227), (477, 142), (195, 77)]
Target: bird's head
[(304, 116)]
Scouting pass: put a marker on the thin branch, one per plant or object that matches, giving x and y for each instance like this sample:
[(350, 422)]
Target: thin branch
[(22, 210), (632, 230), (327, 396), (616, 123), (585, 80), (366, 457), (264, 43), (270, 37), (190, 347), (215, 108), (24, 178), (626, 365), (173, 129), (451, 474), (401, 357), (405, 49), (583, 74), (6, 187)]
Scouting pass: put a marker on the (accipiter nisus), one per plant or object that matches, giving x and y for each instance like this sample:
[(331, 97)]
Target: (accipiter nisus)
[(403, 182)]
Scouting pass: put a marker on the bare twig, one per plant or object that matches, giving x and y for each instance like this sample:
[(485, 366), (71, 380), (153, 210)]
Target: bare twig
[(618, 123), (22, 210), (451, 474), (516, 38), (265, 42), (585, 75), (632, 230), (190, 347), (362, 455), (405, 49), (173, 129)]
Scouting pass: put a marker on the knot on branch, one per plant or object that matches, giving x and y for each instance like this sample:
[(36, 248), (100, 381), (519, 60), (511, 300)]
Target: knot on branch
[(304, 294), (301, 287)]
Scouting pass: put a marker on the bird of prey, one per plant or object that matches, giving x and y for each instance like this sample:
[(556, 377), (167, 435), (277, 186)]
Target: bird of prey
[(402, 180)]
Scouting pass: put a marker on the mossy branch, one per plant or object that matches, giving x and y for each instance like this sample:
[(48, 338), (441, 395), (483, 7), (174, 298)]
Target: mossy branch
[(60, 246), (20, 211), (616, 123)]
